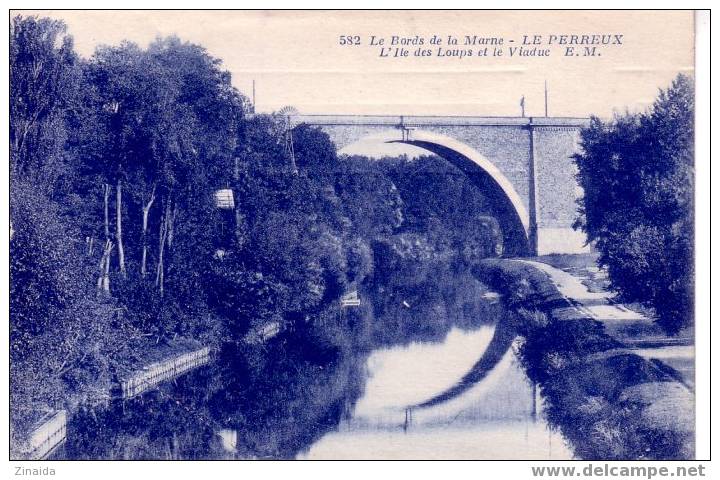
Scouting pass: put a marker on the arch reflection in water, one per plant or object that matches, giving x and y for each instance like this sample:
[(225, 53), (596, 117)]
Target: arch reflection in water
[(493, 419)]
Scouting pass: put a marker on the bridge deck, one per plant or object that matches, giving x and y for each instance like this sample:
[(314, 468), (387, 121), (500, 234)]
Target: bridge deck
[(419, 121)]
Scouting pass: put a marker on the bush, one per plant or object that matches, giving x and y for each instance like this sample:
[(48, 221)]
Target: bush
[(58, 330), (637, 174)]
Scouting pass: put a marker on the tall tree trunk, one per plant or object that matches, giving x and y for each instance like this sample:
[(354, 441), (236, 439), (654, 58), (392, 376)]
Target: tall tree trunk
[(106, 277), (160, 274), (239, 227), (106, 194), (171, 226), (146, 212), (100, 277), (118, 227), (103, 283)]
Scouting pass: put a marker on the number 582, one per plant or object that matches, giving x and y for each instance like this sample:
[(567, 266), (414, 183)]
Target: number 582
[(349, 39)]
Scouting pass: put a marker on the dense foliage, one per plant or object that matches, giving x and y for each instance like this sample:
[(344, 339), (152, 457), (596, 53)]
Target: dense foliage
[(637, 174), (119, 247), (114, 161)]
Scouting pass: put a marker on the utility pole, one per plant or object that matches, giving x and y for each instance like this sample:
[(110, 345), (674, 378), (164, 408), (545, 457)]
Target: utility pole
[(253, 97), (522, 106)]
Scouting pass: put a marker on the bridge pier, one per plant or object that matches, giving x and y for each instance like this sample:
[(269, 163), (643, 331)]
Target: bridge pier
[(532, 196)]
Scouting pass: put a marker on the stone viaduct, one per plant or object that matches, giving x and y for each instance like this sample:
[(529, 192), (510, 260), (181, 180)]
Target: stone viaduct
[(524, 164)]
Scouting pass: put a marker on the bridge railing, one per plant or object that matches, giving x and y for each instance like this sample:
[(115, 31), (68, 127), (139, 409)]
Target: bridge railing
[(434, 120)]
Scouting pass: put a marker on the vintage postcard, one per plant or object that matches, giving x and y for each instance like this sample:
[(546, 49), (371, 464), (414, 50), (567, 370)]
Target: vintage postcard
[(393, 235)]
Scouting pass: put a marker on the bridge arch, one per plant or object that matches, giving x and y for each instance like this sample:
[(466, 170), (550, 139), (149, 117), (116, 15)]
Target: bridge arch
[(515, 221)]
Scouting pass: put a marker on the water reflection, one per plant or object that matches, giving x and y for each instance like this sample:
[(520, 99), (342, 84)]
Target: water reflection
[(228, 438), (283, 401), (408, 375), (492, 419), (228, 410)]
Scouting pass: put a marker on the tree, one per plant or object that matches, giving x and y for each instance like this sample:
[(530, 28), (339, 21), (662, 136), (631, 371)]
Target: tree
[(168, 126), (44, 84), (637, 174), (370, 199), (289, 219), (59, 331)]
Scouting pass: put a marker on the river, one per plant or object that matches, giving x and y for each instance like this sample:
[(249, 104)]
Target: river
[(422, 400)]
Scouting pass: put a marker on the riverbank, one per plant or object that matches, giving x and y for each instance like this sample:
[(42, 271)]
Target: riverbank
[(609, 402), (588, 287), (127, 375)]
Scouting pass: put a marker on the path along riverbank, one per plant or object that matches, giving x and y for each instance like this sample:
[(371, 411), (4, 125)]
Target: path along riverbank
[(585, 287), (609, 401)]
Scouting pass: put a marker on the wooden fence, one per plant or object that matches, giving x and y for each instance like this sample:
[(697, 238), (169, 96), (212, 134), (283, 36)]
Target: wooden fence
[(48, 434), (153, 374), (262, 333)]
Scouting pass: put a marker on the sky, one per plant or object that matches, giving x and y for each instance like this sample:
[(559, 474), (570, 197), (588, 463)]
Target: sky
[(295, 58)]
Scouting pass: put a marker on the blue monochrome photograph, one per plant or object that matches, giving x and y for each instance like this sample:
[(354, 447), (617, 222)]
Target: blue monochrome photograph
[(352, 235)]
